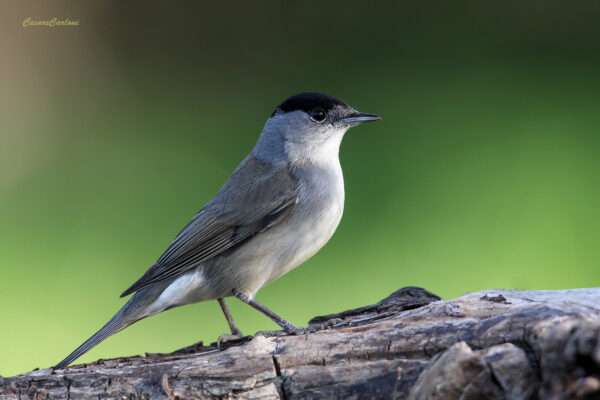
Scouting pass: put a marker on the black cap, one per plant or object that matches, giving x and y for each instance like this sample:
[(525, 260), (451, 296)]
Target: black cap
[(308, 101)]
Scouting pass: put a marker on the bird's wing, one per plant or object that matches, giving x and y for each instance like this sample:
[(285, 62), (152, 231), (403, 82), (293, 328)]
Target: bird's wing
[(256, 197)]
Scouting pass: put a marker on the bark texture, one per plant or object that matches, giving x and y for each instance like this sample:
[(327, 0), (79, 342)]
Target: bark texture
[(496, 344)]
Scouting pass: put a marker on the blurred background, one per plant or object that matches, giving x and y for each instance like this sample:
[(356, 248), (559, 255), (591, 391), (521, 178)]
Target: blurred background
[(114, 133)]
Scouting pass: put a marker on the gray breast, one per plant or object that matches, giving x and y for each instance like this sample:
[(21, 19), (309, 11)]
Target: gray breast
[(316, 216), (276, 251)]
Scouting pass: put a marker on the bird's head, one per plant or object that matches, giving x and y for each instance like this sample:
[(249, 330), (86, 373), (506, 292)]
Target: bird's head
[(308, 126)]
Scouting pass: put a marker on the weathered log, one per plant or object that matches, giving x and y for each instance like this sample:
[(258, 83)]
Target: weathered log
[(496, 344)]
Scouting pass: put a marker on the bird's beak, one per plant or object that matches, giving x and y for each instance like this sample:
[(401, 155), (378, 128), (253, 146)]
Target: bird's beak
[(359, 118)]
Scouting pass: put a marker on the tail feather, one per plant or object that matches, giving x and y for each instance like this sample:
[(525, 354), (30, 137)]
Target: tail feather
[(130, 313), (109, 329)]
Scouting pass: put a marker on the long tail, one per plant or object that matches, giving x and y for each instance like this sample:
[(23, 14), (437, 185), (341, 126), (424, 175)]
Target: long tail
[(130, 313)]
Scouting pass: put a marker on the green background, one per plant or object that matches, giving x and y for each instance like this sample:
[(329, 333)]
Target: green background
[(482, 174)]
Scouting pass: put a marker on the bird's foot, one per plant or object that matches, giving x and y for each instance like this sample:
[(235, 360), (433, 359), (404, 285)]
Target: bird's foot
[(322, 326), (291, 329), (288, 329), (230, 337), (271, 333)]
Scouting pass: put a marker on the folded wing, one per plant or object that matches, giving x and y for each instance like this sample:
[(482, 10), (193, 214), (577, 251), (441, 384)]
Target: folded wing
[(256, 197)]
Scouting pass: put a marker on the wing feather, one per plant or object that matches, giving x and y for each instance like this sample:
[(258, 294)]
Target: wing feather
[(256, 197)]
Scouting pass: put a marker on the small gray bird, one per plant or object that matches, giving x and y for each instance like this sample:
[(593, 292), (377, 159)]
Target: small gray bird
[(277, 209)]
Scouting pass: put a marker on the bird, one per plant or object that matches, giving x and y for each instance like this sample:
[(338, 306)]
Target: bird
[(277, 209)]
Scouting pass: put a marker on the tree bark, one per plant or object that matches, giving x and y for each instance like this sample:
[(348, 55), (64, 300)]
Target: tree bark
[(495, 344)]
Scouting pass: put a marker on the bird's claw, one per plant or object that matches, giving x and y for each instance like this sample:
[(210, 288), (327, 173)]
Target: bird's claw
[(296, 330), (229, 337), (271, 333)]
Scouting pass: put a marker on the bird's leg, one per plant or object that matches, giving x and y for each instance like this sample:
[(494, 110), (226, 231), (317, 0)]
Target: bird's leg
[(287, 326), (235, 331)]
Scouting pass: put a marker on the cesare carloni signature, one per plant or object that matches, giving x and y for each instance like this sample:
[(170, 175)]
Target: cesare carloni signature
[(49, 22)]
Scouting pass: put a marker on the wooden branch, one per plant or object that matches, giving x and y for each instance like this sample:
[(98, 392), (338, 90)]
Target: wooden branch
[(496, 344)]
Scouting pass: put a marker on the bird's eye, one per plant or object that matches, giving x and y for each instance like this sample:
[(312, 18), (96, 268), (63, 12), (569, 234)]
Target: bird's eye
[(318, 115)]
